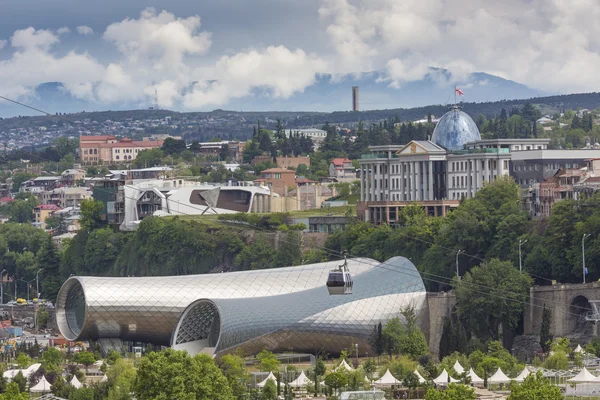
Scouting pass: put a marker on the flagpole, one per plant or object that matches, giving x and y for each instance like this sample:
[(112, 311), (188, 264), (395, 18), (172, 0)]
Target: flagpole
[(454, 96)]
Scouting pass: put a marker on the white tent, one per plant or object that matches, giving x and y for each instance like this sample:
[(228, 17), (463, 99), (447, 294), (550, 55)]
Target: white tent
[(498, 377), (578, 349), (43, 386), (343, 365), (458, 368), (387, 380), (524, 374), (104, 378), (420, 377), (444, 378), (300, 381), (475, 380), (263, 383), (584, 376), (75, 383)]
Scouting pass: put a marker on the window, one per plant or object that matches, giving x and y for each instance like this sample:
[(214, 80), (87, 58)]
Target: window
[(117, 157), (277, 176)]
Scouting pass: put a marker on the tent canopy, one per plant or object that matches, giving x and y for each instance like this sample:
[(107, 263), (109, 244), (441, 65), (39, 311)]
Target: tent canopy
[(583, 376), (343, 365), (75, 383), (499, 377), (300, 381), (420, 377), (458, 368), (42, 386), (263, 383), (387, 380), (524, 374), (474, 378), (578, 349), (444, 378)]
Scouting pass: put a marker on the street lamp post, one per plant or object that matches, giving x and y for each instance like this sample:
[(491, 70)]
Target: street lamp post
[(28, 284), (458, 253), (521, 242), (585, 236), (37, 283), (356, 347)]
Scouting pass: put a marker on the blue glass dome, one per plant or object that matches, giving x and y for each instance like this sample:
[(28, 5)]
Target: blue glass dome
[(454, 130)]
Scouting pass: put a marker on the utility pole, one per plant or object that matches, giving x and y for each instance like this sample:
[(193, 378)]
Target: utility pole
[(521, 242), (585, 236), (458, 253), (37, 284)]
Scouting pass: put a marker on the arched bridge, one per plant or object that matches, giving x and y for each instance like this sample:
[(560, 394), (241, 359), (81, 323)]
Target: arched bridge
[(569, 303)]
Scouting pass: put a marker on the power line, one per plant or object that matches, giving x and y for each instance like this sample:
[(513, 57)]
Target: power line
[(434, 278)]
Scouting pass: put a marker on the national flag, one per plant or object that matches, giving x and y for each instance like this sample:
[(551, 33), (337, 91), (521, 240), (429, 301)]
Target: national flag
[(586, 271), (459, 92)]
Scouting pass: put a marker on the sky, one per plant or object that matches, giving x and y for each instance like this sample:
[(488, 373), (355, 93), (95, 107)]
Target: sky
[(201, 55)]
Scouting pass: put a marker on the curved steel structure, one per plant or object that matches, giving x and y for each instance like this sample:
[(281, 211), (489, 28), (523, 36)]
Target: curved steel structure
[(277, 309), (455, 129)]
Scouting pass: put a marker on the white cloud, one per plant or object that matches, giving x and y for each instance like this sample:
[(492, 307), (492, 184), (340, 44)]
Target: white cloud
[(64, 30), (29, 39), (547, 44), (85, 30), (280, 71), (3, 44)]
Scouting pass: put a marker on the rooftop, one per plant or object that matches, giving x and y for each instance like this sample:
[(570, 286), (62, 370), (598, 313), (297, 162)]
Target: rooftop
[(50, 207)]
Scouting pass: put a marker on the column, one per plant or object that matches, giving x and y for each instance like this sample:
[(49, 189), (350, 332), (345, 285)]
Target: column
[(401, 182), (476, 176), (430, 190), (362, 183), (387, 214), (486, 169), (469, 178), (367, 180), (413, 192)]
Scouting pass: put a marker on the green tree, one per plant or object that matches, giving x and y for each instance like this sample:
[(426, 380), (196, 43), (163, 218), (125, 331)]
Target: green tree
[(173, 146), (148, 158), (370, 367), (13, 391), (23, 361), (52, 358), (48, 260), (411, 381), (88, 393), (535, 386), (269, 391), (268, 361), (60, 388), (479, 293), (120, 379), (19, 178), (453, 392), (558, 360), (21, 382), (319, 371), (234, 369), (90, 211), (545, 333), (171, 374), (21, 211), (85, 358), (336, 380)]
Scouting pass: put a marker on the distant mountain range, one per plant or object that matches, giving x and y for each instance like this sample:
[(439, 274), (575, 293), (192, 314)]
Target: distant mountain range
[(328, 94)]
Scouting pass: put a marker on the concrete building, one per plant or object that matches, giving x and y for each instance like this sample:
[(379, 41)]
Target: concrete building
[(109, 150), (277, 179), (283, 162), (327, 223), (317, 135), (214, 149), (70, 177), (65, 196), (43, 211), (454, 165), (39, 184), (342, 170)]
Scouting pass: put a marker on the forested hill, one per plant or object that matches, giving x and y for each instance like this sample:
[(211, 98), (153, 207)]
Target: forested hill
[(238, 125)]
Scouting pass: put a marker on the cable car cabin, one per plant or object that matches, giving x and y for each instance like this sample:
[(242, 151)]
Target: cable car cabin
[(339, 282)]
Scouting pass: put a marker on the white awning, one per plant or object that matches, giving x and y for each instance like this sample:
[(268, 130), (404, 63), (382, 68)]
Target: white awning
[(263, 383), (524, 374), (43, 386), (343, 365), (583, 376), (458, 368), (300, 381), (499, 377), (474, 378), (387, 380), (75, 383), (444, 378), (421, 379)]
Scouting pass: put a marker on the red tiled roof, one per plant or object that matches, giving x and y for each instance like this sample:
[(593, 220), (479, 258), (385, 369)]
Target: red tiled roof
[(305, 180), (591, 179), (142, 144), (95, 138), (51, 207), (340, 161), (6, 199)]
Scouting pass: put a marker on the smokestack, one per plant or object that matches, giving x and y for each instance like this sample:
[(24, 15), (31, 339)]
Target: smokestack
[(355, 98)]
